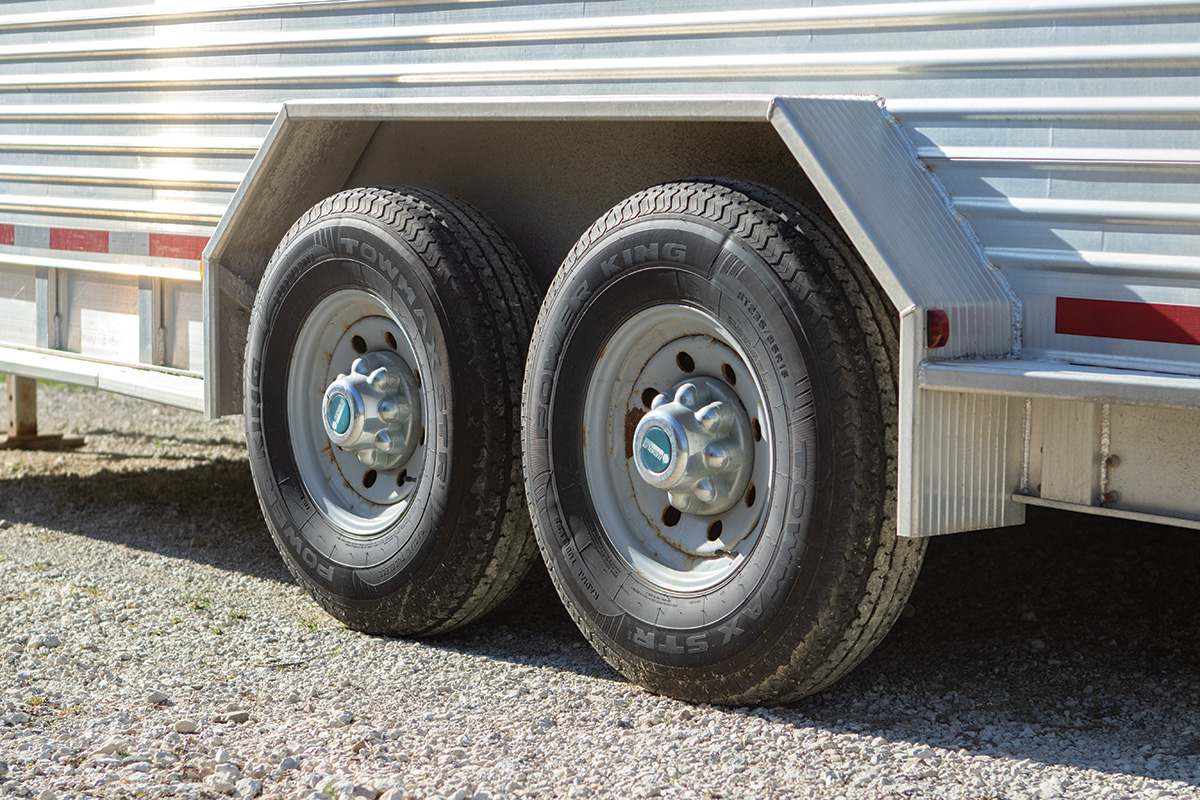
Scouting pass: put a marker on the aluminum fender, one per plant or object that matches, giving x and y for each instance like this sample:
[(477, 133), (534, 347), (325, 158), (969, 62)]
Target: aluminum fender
[(955, 455), (854, 154)]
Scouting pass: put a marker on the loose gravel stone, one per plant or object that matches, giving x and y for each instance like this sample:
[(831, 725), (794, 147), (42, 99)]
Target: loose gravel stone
[(264, 695)]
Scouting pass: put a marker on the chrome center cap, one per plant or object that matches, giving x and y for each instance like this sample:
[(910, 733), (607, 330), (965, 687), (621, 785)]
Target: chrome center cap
[(697, 446), (374, 411)]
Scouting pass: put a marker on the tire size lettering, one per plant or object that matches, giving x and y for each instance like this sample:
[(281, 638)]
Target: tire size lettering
[(768, 338)]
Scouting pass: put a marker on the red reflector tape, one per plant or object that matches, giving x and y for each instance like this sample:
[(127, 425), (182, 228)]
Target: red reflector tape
[(166, 245), (1119, 319), (82, 241), (120, 243)]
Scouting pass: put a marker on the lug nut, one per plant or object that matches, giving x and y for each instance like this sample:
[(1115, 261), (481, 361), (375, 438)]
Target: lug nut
[(711, 417)]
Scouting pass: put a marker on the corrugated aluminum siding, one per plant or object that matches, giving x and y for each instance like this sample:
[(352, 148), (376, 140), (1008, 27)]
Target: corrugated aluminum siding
[(1067, 132)]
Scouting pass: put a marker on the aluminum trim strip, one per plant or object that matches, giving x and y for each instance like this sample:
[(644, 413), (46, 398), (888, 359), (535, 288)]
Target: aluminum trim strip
[(166, 179), (952, 12), (1039, 107), (158, 145), (1075, 158), (214, 11), (1148, 265), (1108, 211), (718, 23), (170, 388), (113, 265), (158, 211), (748, 65), (727, 107), (1059, 381), (1108, 511), (174, 112)]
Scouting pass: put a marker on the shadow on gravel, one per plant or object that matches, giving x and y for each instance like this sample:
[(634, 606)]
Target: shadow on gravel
[(163, 452), (531, 628), (207, 513), (1062, 642)]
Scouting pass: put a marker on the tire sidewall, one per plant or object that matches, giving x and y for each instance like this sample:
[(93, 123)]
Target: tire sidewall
[(325, 256), (699, 263)]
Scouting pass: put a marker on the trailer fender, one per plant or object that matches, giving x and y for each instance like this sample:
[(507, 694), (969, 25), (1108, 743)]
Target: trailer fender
[(544, 168)]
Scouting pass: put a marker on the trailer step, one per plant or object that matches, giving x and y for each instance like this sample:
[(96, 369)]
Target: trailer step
[(1061, 381)]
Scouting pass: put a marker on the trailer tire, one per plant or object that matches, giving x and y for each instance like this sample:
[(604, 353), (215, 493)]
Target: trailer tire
[(426, 528), (784, 571)]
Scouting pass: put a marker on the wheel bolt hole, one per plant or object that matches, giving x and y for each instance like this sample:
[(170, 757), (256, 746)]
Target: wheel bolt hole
[(402, 477), (671, 516), (648, 396), (757, 429), (359, 344), (714, 530), (369, 478), (391, 340), (751, 495), (729, 375), (685, 361)]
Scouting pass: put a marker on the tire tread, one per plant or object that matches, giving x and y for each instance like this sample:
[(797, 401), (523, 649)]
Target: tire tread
[(854, 333), (478, 269)]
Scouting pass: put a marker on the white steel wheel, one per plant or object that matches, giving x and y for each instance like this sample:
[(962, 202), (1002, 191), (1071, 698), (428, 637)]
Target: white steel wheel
[(370, 486), (382, 397), (710, 432), (667, 534)]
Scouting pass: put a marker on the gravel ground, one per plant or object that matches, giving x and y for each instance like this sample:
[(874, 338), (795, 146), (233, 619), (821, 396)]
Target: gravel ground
[(152, 645)]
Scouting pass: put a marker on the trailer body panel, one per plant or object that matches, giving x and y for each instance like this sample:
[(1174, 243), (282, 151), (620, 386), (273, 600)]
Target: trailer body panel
[(1056, 146)]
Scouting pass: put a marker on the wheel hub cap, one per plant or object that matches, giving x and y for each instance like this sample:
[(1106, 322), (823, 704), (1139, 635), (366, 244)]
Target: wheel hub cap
[(697, 446), (375, 411)]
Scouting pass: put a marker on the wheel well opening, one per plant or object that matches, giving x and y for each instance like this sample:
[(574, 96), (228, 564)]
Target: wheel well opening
[(545, 182), (542, 181)]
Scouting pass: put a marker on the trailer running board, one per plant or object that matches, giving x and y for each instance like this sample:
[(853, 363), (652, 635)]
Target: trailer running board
[(1057, 380), (156, 385)]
